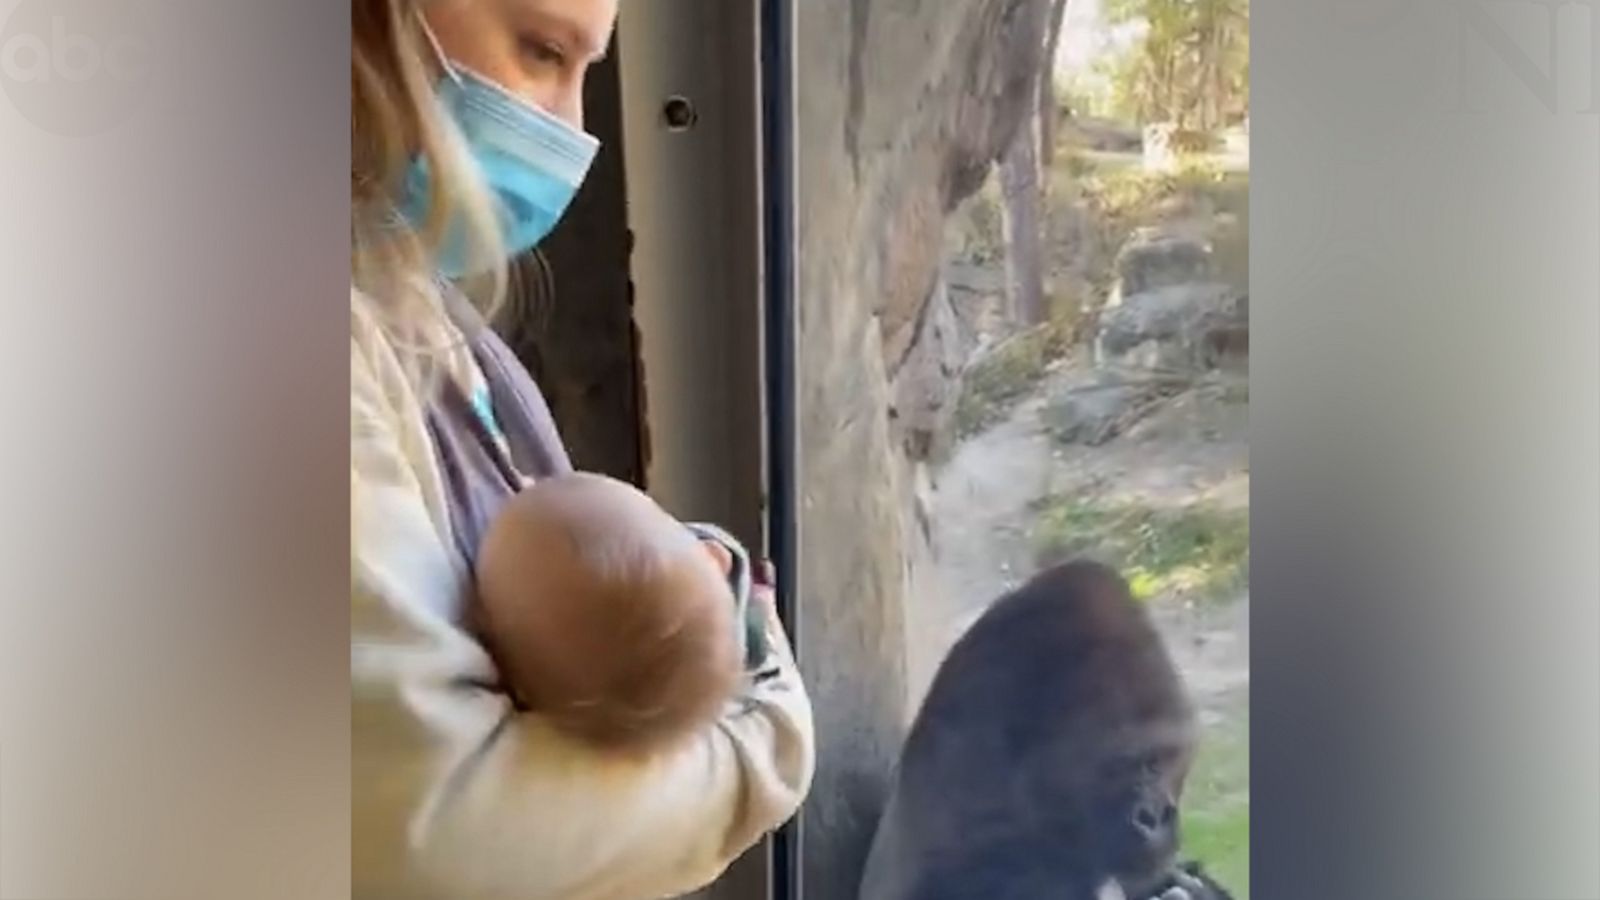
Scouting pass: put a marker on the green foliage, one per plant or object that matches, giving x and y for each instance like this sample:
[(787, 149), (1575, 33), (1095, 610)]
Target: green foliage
[(1191, 66), (1197, 551)]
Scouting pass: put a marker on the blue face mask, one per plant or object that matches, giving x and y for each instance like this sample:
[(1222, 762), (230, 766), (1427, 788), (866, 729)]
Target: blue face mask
[(532, 162)]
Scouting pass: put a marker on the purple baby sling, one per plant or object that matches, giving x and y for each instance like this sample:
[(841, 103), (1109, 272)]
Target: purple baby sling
[(478, 477)]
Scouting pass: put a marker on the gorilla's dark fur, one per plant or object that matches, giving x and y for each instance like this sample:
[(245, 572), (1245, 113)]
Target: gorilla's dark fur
[(1048, 757)]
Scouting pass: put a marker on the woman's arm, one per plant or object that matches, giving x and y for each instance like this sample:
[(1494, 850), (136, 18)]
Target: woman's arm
[(456, 795)]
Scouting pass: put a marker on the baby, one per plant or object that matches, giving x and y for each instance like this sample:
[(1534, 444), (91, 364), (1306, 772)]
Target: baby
[(610, 617)]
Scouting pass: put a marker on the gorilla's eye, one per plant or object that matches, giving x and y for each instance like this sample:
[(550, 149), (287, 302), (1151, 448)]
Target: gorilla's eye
[(1151, 767)]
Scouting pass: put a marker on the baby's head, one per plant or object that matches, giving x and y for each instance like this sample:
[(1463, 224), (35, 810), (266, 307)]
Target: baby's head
[(606, 614)]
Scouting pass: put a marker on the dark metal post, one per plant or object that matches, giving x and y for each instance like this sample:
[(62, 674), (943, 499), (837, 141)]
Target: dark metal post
[(780, 244)]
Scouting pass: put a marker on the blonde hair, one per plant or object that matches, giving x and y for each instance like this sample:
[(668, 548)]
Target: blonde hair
[(394, 118)]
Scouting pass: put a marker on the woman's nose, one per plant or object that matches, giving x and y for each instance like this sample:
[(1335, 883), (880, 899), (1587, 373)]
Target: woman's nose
[(567, 105)]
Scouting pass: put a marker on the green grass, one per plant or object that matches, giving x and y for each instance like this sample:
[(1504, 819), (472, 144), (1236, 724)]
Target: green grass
[(1216, 803), (1198, 551)]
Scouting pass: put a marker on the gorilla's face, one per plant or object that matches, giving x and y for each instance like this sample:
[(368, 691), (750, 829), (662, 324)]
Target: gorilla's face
[(1109, 797), (1135, 815)]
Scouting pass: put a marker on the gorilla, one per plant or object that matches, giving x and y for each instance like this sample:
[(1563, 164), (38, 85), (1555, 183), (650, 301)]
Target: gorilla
[(1048, 759)]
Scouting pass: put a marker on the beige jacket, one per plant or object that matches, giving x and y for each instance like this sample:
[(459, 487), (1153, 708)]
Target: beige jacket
[(458, 797)]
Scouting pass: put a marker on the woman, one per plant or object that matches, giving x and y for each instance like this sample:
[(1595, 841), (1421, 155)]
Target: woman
[(458, 104)]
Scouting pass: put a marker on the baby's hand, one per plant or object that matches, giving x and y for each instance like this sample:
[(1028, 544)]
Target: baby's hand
[(763, 575)]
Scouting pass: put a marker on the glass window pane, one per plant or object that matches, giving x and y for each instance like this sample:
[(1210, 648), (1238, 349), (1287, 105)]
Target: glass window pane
[(1023, 280)]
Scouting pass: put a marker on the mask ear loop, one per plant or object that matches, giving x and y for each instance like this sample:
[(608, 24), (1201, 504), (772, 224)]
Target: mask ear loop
[(438, 50), (453, 70)]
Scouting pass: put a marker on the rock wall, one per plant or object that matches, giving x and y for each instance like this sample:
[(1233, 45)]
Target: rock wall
[(904, 106)]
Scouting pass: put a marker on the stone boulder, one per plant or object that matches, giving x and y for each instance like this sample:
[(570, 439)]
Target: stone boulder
[(1180, 328), (1094, 413), (1155, 258), (1222, 335)]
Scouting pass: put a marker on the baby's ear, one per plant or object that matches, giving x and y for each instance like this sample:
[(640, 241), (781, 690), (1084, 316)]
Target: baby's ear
[(719, 554)]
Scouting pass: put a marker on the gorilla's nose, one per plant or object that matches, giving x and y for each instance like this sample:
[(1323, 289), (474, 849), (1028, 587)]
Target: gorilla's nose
[(1153, 818)]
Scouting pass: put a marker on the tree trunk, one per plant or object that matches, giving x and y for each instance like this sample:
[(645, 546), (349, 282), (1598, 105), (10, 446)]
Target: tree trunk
[(1049, 114), (1019, 186)]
